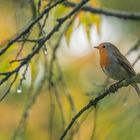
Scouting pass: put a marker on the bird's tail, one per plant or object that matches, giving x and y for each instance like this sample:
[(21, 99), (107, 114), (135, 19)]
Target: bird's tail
[(137, 89)]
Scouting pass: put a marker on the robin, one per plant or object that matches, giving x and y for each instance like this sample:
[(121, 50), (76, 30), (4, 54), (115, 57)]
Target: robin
[(114, 64)]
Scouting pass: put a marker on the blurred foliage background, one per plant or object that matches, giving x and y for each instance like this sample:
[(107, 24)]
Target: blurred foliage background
[(42, 106)]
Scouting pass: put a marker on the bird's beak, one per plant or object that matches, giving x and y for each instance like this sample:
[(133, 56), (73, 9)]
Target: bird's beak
[(96, 47)]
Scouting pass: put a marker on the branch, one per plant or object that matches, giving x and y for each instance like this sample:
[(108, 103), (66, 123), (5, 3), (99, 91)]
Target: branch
[(113, 88), (107, 12), (29, 27), (43, 40)]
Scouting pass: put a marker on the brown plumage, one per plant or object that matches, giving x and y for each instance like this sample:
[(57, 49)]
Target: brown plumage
[(115, 64)]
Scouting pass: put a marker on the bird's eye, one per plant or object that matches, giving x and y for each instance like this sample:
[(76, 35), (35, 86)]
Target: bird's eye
[(103, 46)]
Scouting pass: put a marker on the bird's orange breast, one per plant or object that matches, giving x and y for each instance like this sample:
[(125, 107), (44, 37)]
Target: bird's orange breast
[(104, 58)]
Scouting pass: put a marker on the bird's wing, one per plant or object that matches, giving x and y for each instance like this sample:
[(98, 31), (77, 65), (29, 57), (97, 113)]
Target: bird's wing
[(126, 64)]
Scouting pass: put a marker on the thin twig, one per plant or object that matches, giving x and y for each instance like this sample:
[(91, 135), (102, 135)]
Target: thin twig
[(30, 102), (66, 91), (94, 123), (60, 105), (113, 13), (9, 88), (137, 59), (43, 40), (135, 47), (23, 76), (29, 27)]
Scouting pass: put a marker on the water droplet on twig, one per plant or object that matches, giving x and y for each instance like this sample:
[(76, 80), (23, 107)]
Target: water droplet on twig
[(19, 90), (45, 52)]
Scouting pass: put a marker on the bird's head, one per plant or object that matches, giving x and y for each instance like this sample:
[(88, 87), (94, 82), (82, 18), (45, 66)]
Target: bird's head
[(106, 47)]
